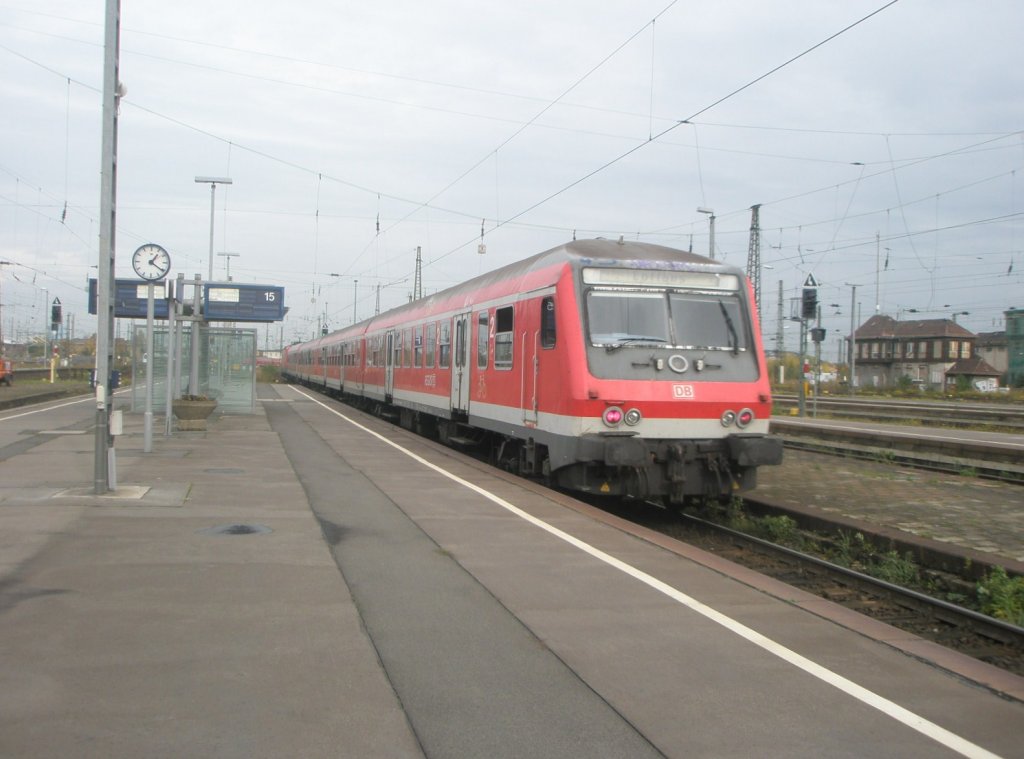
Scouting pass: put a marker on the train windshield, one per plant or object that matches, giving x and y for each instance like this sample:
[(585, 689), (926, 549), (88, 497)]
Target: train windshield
[(712, 321), (677, 318), (617, 317)]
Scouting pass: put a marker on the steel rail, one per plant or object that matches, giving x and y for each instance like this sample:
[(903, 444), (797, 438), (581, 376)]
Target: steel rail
[(975, 616)]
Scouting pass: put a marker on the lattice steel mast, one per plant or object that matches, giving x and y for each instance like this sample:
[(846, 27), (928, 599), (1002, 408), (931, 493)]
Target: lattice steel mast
[(754, 255)]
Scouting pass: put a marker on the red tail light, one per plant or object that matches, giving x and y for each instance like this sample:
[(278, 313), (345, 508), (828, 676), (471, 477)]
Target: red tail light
[(612, 416)]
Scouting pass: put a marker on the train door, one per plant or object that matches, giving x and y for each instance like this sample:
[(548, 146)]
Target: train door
[(389, 365), (323, 365), (528, 376), (460, 364)]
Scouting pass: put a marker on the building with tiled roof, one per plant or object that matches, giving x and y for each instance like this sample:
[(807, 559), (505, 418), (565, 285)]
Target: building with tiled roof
[(922, 350), (992, 347), (976, 372)]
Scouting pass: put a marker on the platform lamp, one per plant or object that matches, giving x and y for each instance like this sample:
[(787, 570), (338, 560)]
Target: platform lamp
[(213, 182)]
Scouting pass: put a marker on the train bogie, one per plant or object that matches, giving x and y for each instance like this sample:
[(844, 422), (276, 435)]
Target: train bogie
[(617, 368)]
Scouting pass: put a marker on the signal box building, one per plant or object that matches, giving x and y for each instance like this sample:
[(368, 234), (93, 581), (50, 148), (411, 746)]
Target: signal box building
[(923, 350)]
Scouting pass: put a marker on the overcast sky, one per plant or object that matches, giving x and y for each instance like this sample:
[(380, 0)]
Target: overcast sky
[(888, 156)]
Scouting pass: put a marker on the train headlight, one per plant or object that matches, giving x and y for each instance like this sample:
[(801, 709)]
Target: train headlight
[(728, 418), (612, 416), (745, 417), (633, 417)]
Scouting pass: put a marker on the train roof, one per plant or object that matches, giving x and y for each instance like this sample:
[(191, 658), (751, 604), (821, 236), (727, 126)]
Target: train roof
[(599, 251), (512, 277)]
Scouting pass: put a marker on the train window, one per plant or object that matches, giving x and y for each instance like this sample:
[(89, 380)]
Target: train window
[(617, 318), (547, 323), (503, 322), (407, 348), (482, 337), (708, 321), (417, 352), (431, 338), (444, 351), (396, 349), (461, 340)]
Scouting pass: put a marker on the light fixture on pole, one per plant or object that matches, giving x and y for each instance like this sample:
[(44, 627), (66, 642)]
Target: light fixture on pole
[(711, 218), (213, 182), (227, 263)]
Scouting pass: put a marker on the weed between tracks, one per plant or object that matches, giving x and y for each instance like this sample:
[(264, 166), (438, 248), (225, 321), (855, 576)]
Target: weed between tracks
[(996, 594), (1002, 596)]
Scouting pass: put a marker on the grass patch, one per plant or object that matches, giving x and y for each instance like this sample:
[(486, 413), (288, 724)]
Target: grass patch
[(997, 594), (1002, 596)]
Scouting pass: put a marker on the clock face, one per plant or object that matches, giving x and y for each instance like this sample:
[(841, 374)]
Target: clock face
[(151, 261)]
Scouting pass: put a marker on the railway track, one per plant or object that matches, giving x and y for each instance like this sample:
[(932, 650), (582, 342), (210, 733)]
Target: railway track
[(995, 417), (958, 628)]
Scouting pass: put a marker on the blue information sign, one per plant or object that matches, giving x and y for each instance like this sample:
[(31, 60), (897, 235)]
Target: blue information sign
[(130, 299), (233, 302)]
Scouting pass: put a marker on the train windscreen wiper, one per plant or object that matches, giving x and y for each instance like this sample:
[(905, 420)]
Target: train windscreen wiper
[(611, 347), (734, 340)]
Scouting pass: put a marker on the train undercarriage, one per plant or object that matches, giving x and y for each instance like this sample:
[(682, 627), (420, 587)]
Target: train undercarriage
[(672, 472)]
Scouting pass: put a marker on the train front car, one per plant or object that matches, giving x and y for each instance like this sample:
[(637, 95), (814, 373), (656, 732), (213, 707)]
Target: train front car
[(675, 399)]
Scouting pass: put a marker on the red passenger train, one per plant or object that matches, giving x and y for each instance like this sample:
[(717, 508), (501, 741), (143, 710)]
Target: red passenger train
[(619, 368)]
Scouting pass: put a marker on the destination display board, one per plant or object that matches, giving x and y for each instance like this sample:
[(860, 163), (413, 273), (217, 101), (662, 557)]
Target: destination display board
[(130, 299), (233, 302)]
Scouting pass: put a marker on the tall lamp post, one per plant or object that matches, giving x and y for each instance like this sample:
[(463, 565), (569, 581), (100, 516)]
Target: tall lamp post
[(213, 182), (711, 218), (193, 376)]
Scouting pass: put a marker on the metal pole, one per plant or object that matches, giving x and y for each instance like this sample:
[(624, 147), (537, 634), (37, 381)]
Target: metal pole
[(817, 368), (171, 373), (213, 194), (105, 270), (147, 414), (800, 369), (213, 182), (712, 242), (853, 341), (179, 339), (193, 374)]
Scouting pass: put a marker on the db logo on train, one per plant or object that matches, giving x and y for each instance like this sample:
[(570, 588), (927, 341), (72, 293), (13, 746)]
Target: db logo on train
[(683, 392)]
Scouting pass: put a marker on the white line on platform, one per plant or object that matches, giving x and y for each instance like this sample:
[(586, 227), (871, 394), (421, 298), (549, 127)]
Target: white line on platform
[(48, 408), (937, 733)]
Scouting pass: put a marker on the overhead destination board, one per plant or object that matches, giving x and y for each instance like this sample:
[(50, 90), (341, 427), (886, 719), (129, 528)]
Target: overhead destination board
[(232, 302), (130, 297)]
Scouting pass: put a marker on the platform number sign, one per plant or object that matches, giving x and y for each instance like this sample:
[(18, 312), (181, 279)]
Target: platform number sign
[(240, 303)]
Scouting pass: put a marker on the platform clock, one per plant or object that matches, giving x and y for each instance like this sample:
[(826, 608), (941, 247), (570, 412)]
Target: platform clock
[(151, 262)]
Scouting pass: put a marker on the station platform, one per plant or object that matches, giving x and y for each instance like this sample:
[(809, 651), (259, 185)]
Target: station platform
[(308, 581)]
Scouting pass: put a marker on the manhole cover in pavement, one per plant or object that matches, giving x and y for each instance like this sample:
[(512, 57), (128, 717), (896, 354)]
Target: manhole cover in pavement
[(236, 529)]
